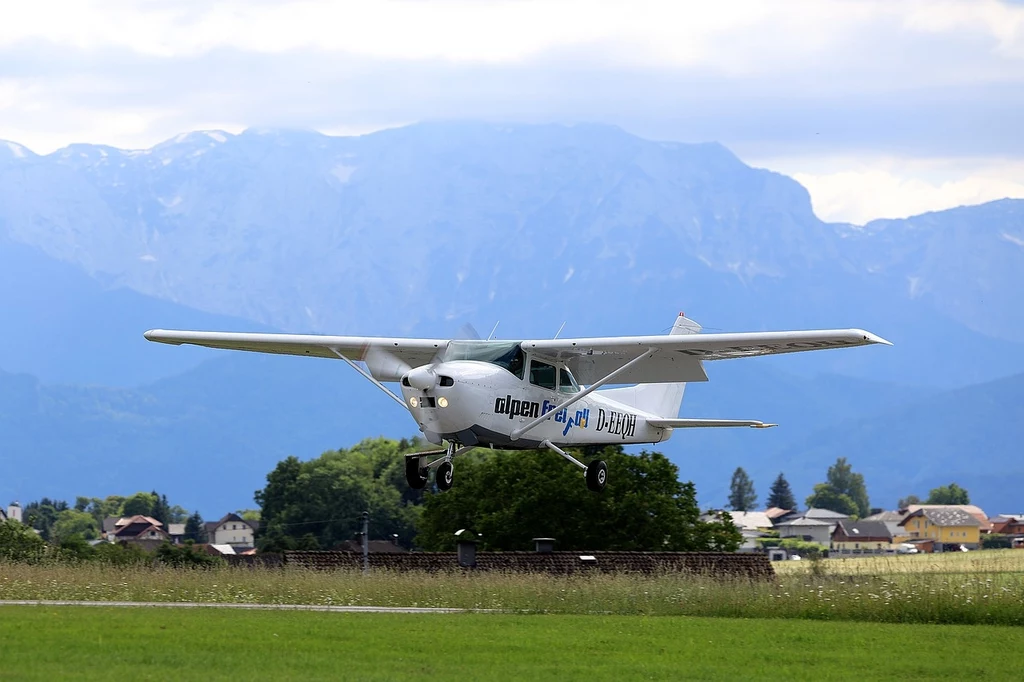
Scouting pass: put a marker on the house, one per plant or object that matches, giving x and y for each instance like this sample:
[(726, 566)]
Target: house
[(863, 537), (946, 525), (750, 520), (974, 510), (141, 531), (176, 531), (776, 514), (232, 530), (811, 530), (112, 524), (1008, 524)]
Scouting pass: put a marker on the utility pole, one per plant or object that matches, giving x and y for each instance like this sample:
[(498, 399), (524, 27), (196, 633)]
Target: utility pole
[(366, 542)]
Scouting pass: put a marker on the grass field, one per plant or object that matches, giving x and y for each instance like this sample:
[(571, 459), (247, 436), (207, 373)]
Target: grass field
[(83, 643), (978, 593), (987, 561)]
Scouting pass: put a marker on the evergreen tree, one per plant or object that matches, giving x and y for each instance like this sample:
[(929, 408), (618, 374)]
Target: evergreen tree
[(781, 496), (741, 491), (841, 480), (195, 529)]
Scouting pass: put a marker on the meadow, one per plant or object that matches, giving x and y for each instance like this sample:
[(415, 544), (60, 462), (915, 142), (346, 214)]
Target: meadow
[(973, 588), (85, 643)]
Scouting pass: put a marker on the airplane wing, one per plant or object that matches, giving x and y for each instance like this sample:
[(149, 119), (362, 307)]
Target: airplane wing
[(679, 357), (707, 423), (387, 359)]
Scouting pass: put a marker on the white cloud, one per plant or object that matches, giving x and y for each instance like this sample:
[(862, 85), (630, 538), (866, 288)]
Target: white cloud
[(858, 190)]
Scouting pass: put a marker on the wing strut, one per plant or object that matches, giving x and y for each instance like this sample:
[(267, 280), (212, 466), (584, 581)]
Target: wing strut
[(371, 379), (517, 433)]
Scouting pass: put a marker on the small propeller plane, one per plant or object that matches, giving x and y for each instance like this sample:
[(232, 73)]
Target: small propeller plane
[(540, 393)]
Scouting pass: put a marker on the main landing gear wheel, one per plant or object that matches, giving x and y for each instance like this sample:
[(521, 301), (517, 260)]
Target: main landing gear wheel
[(596, 475), (445, 471), (415, 475)]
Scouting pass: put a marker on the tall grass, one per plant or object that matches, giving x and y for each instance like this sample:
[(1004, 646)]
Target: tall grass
[(986, 561), (981, 597)]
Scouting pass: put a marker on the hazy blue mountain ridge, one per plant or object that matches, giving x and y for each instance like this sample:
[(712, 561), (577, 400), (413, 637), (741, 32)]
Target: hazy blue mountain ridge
[(417, 230)]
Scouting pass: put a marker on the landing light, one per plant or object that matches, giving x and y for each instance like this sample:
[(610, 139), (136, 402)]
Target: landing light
[(442, 402), (414, 401)]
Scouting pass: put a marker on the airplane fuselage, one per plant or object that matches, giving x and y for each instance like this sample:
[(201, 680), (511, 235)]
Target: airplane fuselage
[(478, 403)]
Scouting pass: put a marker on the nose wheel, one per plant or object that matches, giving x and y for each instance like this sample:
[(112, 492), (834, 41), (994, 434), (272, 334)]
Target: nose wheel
[(445, 476)]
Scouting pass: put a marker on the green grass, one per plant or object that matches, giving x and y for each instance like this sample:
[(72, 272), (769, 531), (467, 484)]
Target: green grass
[(938, 598), (84, 643)]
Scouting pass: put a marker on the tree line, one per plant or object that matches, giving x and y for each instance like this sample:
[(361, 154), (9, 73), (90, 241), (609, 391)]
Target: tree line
[(843, 491), (505, 498), (57, 521)]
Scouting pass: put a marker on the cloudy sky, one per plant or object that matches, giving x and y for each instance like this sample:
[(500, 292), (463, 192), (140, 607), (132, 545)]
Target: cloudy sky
[(881, 108)]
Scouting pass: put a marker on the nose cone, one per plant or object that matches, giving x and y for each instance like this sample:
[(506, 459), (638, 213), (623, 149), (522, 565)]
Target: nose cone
[(421, 378)]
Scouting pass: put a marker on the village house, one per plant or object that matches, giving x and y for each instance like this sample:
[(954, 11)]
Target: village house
[(232, 530), (1008, 524), (944, 525), (140, 531), (864, 537), (810, 530)]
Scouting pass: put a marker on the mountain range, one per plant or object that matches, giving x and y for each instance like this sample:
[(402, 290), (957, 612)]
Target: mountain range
[(417, 230)]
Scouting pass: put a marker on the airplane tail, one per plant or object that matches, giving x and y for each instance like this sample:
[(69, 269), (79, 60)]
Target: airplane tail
[(660, 400)]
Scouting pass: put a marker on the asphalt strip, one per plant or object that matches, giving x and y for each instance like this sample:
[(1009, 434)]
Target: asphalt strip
[(256, 607)]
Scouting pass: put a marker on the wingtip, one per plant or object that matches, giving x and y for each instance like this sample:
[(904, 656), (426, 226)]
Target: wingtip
[(873, 338)]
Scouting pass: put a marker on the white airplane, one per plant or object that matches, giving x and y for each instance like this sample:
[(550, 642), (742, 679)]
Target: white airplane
[(530, 394)]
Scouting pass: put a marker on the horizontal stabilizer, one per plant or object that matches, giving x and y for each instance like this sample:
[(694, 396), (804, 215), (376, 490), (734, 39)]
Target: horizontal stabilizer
[(707, 423)]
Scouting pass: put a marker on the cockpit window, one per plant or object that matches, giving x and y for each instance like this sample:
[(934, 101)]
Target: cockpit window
[(505, 354), (566, 382), (542, 374)]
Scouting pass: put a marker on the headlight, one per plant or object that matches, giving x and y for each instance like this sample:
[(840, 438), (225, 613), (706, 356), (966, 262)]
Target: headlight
[(414, 401), (442, 401)]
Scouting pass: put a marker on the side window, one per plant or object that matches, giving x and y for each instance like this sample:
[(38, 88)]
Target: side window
[(542, 374), (566, 382)]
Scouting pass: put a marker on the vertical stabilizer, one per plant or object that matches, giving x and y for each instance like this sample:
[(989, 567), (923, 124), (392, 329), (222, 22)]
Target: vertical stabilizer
[(661, 400)]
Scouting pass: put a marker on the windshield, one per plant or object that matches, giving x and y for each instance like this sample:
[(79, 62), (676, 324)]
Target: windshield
[(505, 354)]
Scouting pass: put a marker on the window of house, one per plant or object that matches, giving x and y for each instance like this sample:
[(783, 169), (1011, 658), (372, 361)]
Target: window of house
[(542, 374)]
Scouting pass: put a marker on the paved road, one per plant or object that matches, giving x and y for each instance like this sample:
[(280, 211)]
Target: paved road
[(261, 607)]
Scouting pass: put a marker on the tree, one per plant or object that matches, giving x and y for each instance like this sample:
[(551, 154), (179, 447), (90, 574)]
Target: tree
[(825, 496), (842, 478), (161, 510), (507, 502), (907, 501), (781, 496), (741, 491), (948, 494), (72, 522), (19, 542), (42, 514), (195, 529), (326, 496), (140, 504)]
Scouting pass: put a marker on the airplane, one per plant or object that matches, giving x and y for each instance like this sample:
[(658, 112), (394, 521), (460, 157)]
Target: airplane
[(544, 393)]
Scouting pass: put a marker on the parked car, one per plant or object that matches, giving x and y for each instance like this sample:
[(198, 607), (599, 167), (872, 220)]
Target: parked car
[(906, 548)]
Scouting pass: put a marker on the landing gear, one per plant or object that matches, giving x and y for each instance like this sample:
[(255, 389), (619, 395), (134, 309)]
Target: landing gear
[(444, 477), (415, 473), (596, 474)]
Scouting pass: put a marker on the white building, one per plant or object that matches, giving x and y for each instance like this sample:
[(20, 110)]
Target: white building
[(232, 530)]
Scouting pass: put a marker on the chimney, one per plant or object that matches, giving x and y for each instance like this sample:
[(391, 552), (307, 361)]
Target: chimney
[(465, 546), (544, 545), (14, 511)]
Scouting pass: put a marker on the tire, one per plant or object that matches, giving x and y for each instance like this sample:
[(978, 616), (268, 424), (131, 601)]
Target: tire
[(596, 475), (444, 477), (415, 475)]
